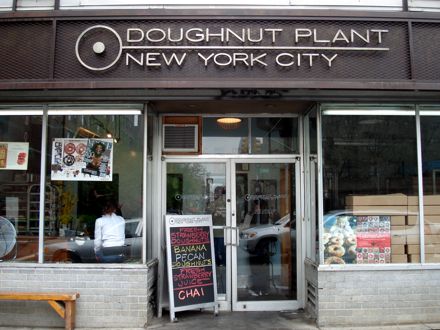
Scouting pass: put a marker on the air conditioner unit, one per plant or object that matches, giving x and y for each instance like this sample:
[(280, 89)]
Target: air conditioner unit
[(180, 137)]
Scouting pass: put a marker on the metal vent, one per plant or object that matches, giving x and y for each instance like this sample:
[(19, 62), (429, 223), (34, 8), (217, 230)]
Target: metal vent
[(312, 297), (180, 138)]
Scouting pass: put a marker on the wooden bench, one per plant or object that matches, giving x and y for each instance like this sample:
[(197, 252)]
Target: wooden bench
[(62, 303)]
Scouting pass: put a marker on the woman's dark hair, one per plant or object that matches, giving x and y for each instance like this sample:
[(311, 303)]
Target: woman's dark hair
[(110, 207)]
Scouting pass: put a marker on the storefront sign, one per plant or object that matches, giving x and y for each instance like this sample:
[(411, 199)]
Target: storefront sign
[(14, 155), (191, 262), (82, 159), (223, 47), (222, 52)]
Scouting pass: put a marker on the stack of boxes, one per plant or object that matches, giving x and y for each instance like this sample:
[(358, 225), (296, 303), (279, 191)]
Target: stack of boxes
[(396, 207), (432, 229)]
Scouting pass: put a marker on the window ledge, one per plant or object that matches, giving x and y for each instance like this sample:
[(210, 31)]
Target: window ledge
[(390, 267), (149, 264)]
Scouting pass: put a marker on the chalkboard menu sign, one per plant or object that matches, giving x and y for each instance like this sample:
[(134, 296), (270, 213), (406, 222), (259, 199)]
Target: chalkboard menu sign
[(191, 263)]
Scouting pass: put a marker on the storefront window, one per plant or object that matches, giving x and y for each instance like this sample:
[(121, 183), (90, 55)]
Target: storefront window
[(274, 135), (370, 185), (430, 125), (20, 142), (267, 135), (233, 136), (94, 160)]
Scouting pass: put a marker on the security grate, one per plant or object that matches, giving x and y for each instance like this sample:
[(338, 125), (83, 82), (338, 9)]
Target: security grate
[(426, 38), (25, 50)]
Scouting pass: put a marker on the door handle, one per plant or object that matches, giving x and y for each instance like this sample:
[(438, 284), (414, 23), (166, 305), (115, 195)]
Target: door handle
[(225, 236), (235, 236)]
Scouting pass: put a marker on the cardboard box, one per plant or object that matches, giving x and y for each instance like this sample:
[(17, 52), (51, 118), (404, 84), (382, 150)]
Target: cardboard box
[(398, 240), (399, 259), (427, 200), (432, 219), (377, 200), (397, 249), (412, 220), (432, 258), (431, 199), (414, 258), (432, 229), (398, 220), (379, 210), (432, 239), (428, 210), (397, 229), (413, 249), (412, 230), (413, 200), (413, 239), (432, 248)]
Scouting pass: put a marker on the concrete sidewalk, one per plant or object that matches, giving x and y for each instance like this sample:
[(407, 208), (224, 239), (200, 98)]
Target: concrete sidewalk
[(195, 320)]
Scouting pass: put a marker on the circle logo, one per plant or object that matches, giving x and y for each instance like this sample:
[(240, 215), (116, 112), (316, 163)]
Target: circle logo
[(97, 40)]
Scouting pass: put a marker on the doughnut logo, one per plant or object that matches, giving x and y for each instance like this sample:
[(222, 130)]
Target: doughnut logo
[(91, 40)]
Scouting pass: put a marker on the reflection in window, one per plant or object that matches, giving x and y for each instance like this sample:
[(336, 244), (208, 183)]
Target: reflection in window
[(20, 140), (200, 188), (268, 135), (93, 159), (223, 138), (430, 128), (370, 181), (274, 135)]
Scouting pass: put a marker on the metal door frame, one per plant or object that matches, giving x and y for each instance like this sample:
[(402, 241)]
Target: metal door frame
[(272, 305), (224, 300), (229, 301)]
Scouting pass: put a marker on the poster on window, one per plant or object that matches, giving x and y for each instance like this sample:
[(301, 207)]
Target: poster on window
[(356, 239), (82, 159), (373, 239), (14, 155), (339, 239)]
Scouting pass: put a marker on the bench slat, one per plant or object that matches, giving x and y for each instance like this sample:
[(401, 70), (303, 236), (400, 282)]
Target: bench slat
[(38, 296), (66, 310)]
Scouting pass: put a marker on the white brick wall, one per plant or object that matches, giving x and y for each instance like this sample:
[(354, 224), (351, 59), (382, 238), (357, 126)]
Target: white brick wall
[(378, 297), (114, 296)]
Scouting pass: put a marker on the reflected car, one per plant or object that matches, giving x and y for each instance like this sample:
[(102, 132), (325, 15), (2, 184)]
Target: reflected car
[(80, 249), (262, 240)]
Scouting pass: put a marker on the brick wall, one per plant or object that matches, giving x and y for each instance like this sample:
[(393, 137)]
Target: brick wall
[(378, 297), (114, 296)]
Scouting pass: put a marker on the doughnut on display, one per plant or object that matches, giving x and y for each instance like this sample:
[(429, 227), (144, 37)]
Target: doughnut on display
[(350, 240), (336, 240), (352, 250), (334, 261), (336, 250)]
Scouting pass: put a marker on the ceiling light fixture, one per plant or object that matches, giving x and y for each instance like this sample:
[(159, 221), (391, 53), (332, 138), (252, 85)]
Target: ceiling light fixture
[(229, 122)]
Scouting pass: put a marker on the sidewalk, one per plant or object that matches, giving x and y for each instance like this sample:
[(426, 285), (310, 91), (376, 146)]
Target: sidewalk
[(195, 320)]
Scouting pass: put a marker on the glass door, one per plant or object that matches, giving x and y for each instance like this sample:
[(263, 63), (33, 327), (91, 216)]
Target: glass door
[(253, 204), (264, 234), (196, 186)]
